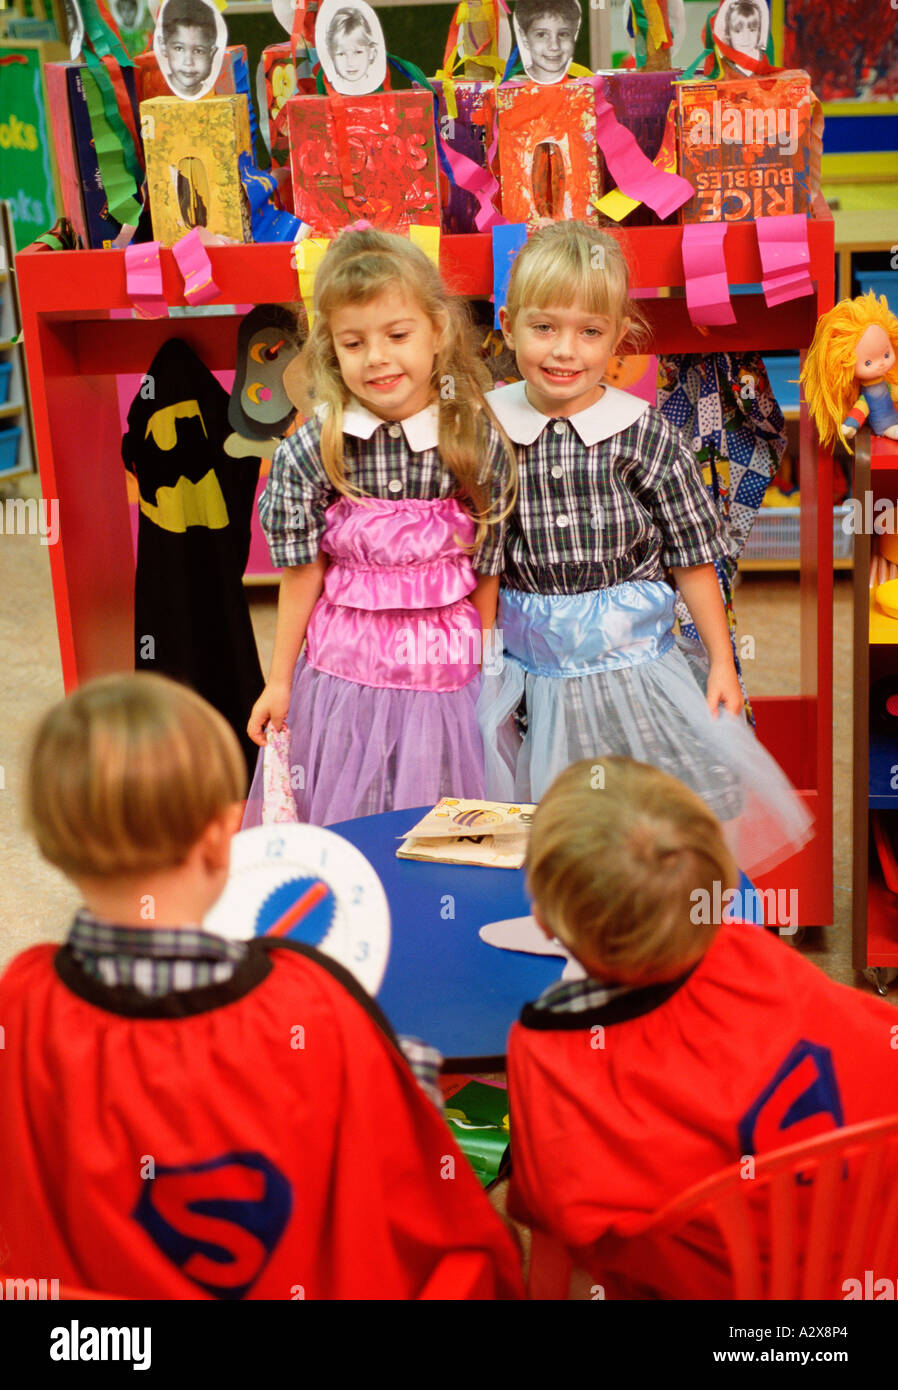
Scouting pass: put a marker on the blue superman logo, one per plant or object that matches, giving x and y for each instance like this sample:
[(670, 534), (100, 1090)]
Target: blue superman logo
[(218, 1221)]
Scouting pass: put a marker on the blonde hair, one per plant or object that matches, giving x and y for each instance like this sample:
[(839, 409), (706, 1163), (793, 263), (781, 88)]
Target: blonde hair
[(575, 263), (126, 774), (828, 374), (617, 851), (358, 267)]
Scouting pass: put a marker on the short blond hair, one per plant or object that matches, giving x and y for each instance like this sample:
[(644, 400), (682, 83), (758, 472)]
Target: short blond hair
[(575, 262), (126, 774), (617, 850)]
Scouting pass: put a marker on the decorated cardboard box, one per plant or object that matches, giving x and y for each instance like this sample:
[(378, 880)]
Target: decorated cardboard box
[(640, 101), (70, 89), (750, 147), (192, 151), (370, 157), (282, 81), (467, 123), (550, 163)]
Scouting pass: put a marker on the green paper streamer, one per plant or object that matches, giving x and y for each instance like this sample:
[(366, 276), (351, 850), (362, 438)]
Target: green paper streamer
[(118, 182), (102, 43), (476, 1115)]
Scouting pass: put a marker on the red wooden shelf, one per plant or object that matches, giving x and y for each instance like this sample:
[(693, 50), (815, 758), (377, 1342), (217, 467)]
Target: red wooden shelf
[(75, 349)]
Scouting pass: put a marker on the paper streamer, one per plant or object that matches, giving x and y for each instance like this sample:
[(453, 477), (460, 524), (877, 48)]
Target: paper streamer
[(632, 170), (617, 205), (707, 288), (143, 280), (308, 256), (118, 182), (507, 242), (785, 258), (269, 223), (196, 268)]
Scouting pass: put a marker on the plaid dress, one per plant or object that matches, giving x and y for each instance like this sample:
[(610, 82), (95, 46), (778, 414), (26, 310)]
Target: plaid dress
[(609, 500)]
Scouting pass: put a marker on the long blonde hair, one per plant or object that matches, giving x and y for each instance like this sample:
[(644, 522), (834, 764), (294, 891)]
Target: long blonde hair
[(358, 267), (828, 374)]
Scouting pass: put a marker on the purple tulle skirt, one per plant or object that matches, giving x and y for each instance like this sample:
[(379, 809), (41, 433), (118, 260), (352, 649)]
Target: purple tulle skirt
[(356, 750)]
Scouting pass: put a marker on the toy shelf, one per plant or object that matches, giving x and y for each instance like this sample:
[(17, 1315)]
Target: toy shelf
[(875, 751), (80, 332)]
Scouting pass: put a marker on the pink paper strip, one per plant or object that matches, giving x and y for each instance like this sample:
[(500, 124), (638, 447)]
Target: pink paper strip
[(196, 268), (785, 258), (707, 287), (632, 170), (143, 280), (478, 182)]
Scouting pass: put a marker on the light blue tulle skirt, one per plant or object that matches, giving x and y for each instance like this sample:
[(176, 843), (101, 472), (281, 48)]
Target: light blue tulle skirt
[(601, 673)]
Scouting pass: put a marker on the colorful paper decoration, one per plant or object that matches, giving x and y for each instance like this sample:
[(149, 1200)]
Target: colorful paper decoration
[(143, 280), (645, 104), (707, 286), (466, 121), (285, 77), (750, 147), (785, 258), (192, 151), (369, 157), (550, 164)]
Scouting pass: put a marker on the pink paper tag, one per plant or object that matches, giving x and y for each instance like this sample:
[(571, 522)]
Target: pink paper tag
[(196, 268), (707, 287), (785, 258), (143, 280), (632, 170)]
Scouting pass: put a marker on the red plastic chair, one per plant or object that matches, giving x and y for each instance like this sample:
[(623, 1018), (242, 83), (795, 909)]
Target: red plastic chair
[(813, 1216)]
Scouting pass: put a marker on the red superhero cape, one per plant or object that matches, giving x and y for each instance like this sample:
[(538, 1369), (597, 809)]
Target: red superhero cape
[(262, 1138), (616, 1111)]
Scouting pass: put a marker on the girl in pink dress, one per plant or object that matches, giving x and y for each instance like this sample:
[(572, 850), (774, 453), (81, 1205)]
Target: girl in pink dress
[(386, 510)]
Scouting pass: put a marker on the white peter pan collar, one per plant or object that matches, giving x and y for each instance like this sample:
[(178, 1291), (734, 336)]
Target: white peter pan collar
[(523, 423), (421, 431)]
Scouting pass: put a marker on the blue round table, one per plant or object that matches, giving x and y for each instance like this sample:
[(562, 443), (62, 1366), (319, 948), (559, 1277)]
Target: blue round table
[(442, 983)]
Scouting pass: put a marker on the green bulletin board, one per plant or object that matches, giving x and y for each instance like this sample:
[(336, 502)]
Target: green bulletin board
[(27, 166)]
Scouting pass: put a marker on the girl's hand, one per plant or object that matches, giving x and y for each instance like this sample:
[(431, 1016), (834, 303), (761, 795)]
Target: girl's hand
[(271, 707), (724, 688)]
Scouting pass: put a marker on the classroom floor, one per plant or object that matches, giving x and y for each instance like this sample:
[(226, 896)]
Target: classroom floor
[(36, 902)]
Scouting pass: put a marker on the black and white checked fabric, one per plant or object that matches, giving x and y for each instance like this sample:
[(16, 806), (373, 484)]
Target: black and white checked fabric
[(602, 510), (153, 960), (578, 996), (385, 460)]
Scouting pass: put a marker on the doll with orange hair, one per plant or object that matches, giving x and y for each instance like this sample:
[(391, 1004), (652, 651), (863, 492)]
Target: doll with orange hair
[(850, 374)]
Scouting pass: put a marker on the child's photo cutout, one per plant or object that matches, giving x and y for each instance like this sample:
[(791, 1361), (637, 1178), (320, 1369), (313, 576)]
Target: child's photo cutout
[(546, 33), (74, 27), (742, 26), (130, 14), (189, 41), (350, 46)]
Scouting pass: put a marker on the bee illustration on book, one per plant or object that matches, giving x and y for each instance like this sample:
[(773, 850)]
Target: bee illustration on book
[(192, 190)]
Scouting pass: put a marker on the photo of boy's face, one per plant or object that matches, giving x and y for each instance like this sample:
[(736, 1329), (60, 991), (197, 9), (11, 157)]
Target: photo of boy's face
[(190, 57), (550, 39), (353, 54)]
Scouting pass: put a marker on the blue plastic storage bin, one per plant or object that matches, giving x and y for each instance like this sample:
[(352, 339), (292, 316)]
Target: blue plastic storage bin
[(5, 374), (880, 282), (9, 448)]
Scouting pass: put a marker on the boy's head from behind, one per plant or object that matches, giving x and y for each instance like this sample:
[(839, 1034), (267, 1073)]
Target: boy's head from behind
[(617, 852), (127, 774)]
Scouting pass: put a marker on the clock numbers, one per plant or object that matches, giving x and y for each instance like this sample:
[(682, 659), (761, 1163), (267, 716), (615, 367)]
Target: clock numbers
[(275, 849), (358, 893), (361, 951)]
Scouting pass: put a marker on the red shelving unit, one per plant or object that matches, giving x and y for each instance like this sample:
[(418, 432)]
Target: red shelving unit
[(75, 349)]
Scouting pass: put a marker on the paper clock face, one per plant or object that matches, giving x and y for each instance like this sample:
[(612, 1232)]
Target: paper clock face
[(314, 887)]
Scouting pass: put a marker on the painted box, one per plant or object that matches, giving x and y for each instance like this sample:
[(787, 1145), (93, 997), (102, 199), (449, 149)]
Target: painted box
[(750, 147), (69, 89), (151, 83), (549, 159), (640, 101), (470, 131), (281, 82), (192, 150), (370, 157)]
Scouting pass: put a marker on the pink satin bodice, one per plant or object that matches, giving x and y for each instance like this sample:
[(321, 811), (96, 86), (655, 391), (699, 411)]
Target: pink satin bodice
[(395, 610)]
